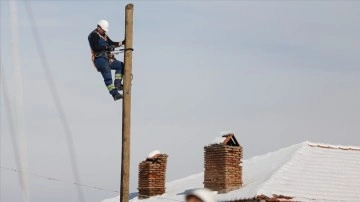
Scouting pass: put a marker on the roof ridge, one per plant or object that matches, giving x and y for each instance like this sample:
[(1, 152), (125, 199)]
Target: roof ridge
[(301, 146), (330, 146)]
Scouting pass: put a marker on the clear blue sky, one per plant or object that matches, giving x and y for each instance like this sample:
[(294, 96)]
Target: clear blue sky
[(274, 72)]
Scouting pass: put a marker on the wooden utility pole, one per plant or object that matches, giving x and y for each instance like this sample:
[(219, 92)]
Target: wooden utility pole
[(125, 156)]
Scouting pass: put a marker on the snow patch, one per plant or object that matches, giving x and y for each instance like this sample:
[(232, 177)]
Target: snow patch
[(116, 199), (218, 140), (222, 133), (153, 153)]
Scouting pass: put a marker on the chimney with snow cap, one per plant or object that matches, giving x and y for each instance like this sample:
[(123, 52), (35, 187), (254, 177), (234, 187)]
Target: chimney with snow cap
[(223, 170), (152, 173)]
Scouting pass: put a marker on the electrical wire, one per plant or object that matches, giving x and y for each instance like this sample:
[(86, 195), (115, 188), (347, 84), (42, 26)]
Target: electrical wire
[(60, 180), (14, 139), (83, 185), (56, 98), (7, 107), (19, 100), (64, 121)]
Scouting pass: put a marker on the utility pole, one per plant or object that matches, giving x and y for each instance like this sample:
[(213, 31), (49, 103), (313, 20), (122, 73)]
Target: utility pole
[(125, 156)]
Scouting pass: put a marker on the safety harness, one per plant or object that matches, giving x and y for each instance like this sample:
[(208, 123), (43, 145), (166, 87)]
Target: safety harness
[(109, 55), (105, 54)]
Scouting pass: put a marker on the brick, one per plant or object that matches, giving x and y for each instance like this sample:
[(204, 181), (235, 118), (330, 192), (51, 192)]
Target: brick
[(222, 163), (152, 176)]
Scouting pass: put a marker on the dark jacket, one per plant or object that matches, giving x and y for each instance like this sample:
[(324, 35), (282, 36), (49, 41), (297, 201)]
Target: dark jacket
[(99, 43)]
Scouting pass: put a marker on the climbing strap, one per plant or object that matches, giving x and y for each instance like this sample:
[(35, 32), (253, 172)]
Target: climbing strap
[(126, 49), (122, 50)]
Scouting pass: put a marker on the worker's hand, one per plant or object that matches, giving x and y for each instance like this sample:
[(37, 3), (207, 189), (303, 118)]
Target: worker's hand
[(121, 43)]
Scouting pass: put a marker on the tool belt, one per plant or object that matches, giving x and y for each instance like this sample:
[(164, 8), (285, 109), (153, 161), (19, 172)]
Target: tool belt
[(110, 56)]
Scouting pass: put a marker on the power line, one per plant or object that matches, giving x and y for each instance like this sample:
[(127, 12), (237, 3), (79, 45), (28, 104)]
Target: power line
[(56, 98), (59, 180), (10, 119), (63, 119), (14, 139), (19, 101), (82, 185)]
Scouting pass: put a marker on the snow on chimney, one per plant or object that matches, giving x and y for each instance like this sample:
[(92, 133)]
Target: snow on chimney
[(223, 170), (152, 173)]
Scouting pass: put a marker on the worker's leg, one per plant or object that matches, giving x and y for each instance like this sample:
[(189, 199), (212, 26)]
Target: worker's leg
[(102, 64), (118, 66)]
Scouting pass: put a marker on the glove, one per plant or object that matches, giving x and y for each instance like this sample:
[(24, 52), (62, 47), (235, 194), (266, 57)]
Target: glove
[(121, 43)]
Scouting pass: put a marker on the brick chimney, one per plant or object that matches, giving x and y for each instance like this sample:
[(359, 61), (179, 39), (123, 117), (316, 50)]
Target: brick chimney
[(152, 173), (223, 169)]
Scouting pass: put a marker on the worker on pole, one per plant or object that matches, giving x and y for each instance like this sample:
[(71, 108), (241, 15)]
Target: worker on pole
[(103, 58)]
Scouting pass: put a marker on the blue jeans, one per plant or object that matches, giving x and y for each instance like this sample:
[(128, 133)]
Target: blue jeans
[(104, 67)]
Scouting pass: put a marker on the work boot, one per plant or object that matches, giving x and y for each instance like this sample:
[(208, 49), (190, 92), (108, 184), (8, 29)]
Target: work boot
[(118, 85), (116, 95)]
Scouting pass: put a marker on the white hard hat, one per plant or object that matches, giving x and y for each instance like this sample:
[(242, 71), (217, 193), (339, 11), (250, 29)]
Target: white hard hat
[(104, 24), (205, 195)]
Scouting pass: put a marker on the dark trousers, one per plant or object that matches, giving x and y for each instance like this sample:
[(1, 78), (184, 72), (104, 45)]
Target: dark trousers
[(104, 67)]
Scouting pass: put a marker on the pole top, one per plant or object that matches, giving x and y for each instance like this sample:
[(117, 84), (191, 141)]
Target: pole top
[(129, 7)]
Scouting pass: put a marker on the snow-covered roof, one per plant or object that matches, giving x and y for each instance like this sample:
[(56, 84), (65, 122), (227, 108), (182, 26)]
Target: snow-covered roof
[(301, 172)]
